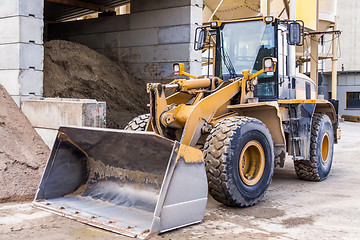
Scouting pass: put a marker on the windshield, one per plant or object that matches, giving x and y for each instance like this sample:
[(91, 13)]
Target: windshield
[(245, 44), (242, 46)]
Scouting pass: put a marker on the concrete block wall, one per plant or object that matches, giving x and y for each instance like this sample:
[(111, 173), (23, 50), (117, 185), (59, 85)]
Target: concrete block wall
[(146, 42), (48, 114), (21, 47)]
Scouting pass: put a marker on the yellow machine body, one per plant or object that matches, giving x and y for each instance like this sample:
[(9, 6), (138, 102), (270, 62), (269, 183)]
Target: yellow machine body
[(142, 183)]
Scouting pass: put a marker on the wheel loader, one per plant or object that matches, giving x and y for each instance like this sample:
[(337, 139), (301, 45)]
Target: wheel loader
[(220, 134)]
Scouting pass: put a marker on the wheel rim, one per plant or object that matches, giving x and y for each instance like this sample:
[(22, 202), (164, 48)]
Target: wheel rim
[(252, 163), (325, 146)]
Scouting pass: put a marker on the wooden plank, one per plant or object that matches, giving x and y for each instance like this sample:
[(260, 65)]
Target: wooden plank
[(351, 118), (85, 5)]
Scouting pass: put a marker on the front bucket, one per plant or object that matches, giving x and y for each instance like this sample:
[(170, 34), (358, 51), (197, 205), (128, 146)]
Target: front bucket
[(132, 183)]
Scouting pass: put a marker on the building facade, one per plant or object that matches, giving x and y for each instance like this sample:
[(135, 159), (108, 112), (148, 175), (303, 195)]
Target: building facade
[(348, 84)]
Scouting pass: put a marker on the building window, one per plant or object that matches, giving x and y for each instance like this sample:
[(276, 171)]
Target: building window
[(353, 100)]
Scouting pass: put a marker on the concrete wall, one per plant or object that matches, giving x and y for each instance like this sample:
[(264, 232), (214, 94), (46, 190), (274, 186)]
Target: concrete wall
[(21, 47), (349, 46), (48, 114), (147, 41), (348, 23)]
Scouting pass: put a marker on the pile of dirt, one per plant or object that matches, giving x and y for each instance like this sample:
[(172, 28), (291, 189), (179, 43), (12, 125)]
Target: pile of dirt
[(23, 154), (72, 70)]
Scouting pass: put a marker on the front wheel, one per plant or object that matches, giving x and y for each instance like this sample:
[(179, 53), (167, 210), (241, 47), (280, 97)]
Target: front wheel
[(239, 156)]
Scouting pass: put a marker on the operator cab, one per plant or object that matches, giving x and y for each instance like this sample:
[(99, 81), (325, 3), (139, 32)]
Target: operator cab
[(243, 44)]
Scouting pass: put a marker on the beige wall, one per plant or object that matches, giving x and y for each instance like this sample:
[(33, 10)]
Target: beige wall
[(348, 23)]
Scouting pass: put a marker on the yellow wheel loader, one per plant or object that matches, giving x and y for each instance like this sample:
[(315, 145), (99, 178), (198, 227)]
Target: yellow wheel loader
[(222, 134)]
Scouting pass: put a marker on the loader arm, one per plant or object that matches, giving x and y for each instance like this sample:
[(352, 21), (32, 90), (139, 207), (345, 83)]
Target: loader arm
[(204, 110), (192, 117)]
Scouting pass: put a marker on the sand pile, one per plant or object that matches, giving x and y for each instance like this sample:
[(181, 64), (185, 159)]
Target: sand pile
[(23, 154), (72, 70)]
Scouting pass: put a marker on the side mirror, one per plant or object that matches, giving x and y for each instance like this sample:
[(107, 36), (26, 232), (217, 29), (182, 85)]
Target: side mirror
[(269, 64), (200, 37), (296, 35)]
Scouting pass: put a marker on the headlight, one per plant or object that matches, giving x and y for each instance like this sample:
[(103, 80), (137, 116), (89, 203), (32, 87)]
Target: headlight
[(214, 24), (176, 68), (269, 19), (268, 63)]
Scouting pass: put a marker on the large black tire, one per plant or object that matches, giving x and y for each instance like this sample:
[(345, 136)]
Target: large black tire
[(228, 182), (139, 123), (321, 151)]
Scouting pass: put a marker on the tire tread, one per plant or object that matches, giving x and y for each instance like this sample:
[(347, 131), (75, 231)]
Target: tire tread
[(308, 170), (215, 151), (138, 123)]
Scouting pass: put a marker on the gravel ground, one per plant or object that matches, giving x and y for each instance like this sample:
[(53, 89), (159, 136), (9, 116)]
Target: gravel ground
[(291, 209)]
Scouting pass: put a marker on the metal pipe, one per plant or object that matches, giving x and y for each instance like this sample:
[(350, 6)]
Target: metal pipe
[(334, 63), (212, 15), (197, 83), (301, 68), (292, 54), (314, 45), (171, 86), (287, 8), (314, 60)]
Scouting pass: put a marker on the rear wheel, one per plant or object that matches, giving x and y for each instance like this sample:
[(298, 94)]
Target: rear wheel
[(322, 147), (239, 156), (139, 123)]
